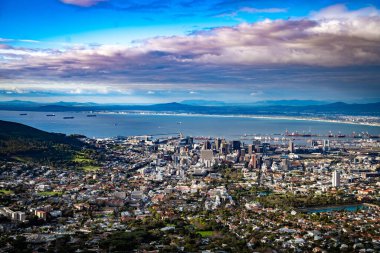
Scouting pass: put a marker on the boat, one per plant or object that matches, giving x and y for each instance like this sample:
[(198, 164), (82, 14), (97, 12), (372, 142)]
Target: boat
[(23, 114), (91, 115), (50, 115), (70, 117)]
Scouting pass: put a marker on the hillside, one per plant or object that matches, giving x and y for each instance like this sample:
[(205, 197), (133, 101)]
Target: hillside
[(24, 143)]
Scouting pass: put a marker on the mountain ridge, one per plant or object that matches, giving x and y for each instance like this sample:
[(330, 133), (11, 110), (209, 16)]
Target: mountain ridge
[(369, 109)]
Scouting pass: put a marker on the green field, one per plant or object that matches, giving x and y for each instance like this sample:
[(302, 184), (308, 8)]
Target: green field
[(81, 158), (206, 233), (90, 168), (6, 192), (50, 193)]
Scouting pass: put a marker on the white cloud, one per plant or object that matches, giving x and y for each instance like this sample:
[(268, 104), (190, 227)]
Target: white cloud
[(266, 10), (83, 3)]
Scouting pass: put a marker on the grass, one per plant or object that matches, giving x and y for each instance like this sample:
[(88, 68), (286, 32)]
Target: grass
[(81, 158), (50, 193), (19, 159), (5, 192), (206, 233), (90, 168)]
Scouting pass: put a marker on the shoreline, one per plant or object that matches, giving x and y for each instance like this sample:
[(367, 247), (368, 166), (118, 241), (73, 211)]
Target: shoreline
[(242, 116)]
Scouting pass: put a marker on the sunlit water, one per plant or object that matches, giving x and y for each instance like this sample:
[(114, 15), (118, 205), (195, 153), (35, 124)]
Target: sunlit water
[(111, 125)]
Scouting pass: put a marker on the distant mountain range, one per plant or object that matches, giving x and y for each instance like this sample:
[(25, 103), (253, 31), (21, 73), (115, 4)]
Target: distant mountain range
[(284, 107), (258, 103)]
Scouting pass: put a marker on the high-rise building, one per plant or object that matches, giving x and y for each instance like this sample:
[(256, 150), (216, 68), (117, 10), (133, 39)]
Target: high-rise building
[(236, 145), (206, 145), (218, 143), (291, 146), (336, 179), (253, 162), (250, 149), (207, 155), (242, 152), (224, 148), (326, 145), (242, 155)]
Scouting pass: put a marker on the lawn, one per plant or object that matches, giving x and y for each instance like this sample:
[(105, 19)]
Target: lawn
[(81, 158), (5, 192), (90, 168), (50, 193), (206, 233)]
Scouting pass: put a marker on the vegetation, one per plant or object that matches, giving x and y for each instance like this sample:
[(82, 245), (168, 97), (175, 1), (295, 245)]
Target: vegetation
[(127, 241), (23, 143), (5, 192), (50, 193), (206, 233), (289, 200)]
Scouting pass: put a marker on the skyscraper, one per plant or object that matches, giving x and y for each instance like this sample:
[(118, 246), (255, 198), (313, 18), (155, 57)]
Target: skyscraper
[(291, 146), (326, 145), (250, 149), (218, 143), (336, 179), (236, 145)]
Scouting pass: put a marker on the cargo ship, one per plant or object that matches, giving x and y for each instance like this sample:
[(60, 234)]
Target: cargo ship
[(70, 117)]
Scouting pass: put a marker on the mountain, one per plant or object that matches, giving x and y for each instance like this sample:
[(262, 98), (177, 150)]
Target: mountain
[(278, 108), (258, 103), (21, 142), (289, 102), (203, 102)]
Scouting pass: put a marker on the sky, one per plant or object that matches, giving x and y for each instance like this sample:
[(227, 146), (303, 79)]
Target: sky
[(137, 52)]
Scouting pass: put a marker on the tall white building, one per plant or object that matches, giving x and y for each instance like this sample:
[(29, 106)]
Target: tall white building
[(336, 179)]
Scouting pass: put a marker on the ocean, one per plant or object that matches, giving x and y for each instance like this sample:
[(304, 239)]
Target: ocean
[(113, 124)]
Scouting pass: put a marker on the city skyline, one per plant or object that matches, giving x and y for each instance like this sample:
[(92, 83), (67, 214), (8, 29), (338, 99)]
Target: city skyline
[(160, 51)]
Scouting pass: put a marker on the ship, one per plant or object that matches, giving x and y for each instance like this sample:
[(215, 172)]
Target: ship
[(50, 115), (340, 135), (91, 115), (23, 114), (70, 117)]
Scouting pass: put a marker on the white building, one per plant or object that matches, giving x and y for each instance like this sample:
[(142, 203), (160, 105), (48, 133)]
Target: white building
[(336, 179)]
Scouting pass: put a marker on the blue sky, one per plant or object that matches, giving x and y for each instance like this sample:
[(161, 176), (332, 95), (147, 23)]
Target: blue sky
[(162, 51)]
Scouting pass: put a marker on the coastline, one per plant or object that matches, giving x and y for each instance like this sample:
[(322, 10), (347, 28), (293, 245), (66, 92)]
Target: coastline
[(242, 116)]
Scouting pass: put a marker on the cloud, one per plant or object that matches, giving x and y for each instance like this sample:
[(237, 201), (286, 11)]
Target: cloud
[(6, 40), (121, 5), (151, 92), (252, 11), (335, 46), (83, 3), (265, 10), (340, 11), (255, 93)]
